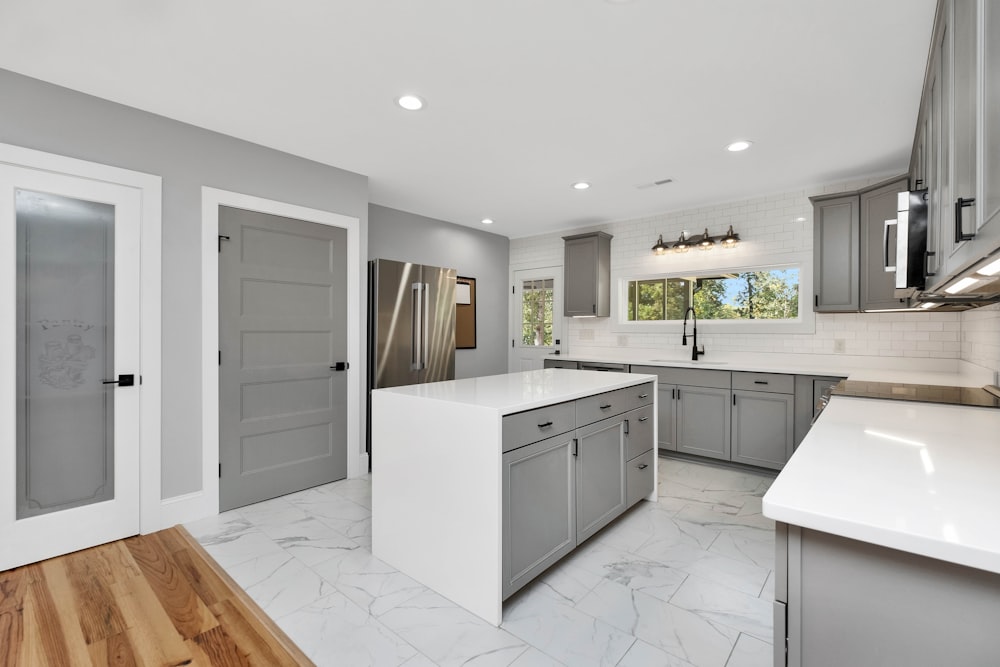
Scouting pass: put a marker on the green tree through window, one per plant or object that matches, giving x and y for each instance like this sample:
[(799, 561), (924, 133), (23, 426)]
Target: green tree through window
[(536, 312), (771, 294)]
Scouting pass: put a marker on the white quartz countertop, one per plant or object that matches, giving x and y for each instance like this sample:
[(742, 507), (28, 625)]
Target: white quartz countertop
[(918, 477), (515, 392), (949, 372)]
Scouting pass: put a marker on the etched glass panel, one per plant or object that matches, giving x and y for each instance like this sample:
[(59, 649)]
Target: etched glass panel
[(65, 349)]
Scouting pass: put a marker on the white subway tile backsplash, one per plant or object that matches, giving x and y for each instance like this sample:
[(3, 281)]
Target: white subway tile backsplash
[(770, 236)]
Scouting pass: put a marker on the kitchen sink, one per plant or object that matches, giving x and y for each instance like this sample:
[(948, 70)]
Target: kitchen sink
[(693, 363)]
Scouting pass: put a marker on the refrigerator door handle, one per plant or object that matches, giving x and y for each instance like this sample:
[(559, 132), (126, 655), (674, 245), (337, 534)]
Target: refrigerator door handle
[(416, 326), (425, 288)]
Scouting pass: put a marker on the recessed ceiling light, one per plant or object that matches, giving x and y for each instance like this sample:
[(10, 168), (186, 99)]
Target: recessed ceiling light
[(738, 146), (581, 185), (487, 221), (410, 102)]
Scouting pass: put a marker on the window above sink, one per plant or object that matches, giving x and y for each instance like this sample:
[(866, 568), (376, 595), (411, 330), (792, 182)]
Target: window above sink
[(754, 299)]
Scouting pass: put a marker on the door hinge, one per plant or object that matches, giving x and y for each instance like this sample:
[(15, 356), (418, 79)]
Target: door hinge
[(222, 238)]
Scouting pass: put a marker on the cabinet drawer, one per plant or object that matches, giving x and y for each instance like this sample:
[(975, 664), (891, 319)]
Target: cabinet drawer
[(639, 478), (600, 406), (524, 428), (693, 377), (773, 382), (560, 363), (639, 432)]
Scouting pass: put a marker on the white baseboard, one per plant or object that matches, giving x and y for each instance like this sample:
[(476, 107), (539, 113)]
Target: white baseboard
[(185, 508)]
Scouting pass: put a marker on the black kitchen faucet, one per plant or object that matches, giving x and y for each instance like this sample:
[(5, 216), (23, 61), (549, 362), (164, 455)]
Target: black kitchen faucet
[(684, 336)]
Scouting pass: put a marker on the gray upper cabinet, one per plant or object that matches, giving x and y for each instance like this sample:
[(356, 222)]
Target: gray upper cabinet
[(956, 149), (836, 260), (877, 284), (587, 275)]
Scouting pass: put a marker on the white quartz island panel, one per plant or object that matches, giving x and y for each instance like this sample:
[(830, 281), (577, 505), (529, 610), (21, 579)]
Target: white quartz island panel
[(917, 477), (436, 474)]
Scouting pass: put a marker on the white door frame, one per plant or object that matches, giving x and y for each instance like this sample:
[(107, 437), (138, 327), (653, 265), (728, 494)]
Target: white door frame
[(211, 200), (556, 272), (150, 193)]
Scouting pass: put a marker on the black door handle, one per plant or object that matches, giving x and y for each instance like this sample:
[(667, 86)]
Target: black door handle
[(340, 366), (122, 381)]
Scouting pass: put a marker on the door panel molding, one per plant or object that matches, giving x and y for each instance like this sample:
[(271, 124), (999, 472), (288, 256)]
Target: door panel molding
[(148, 189), (206, 501)]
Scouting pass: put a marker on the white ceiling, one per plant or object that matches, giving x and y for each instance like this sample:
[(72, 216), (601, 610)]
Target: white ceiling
[(524, 97)]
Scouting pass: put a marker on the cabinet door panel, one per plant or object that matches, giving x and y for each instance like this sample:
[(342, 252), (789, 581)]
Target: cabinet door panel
[(638, 431), (539, 514), (990, 110), (703, 417), (600, 475), (835, 255), (762, 428), (666, 418)]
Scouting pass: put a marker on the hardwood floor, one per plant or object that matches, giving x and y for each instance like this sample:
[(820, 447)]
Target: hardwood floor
[(154, 599)]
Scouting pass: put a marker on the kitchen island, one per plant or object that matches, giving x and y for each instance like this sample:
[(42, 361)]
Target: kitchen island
[(888, 543), (453, 508)]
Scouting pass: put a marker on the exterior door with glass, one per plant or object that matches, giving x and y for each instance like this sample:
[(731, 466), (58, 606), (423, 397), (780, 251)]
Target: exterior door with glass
[(536, 304), (70, 393)]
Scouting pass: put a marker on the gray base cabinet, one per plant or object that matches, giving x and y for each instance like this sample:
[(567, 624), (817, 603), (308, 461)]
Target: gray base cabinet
[(539, 519), (841, 602), (569, 469), (762, 428), (703, 421), (666, 415), (600, 475)]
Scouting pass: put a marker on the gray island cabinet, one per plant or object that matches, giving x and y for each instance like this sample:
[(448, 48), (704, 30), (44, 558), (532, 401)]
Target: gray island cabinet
[(479, 485)]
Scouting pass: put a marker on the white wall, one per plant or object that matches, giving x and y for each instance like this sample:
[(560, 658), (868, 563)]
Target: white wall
[(769, 235), (57, 120)]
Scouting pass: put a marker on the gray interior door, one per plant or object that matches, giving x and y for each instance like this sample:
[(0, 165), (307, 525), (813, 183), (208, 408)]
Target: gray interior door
[(282, 328)]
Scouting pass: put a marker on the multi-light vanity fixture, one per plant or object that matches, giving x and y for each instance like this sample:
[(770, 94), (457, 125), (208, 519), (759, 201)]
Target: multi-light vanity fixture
[(702, 242)]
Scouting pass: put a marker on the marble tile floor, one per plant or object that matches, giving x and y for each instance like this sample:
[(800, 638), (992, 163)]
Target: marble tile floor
[(685, 581)]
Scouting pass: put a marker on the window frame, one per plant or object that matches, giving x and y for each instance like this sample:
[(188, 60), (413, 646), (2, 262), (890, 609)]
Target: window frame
[(805, 322)]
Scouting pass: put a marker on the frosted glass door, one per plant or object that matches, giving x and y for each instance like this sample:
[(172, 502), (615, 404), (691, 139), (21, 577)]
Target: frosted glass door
[(65, 351), (69, 339)]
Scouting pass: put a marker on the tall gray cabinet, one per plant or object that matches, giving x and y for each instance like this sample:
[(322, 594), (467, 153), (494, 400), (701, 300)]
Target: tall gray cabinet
[(587, 275)]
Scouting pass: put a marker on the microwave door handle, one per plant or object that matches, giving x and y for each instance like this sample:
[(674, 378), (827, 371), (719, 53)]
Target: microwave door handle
[(885, 244)]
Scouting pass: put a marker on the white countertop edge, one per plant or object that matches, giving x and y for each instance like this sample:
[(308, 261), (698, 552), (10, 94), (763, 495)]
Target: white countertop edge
[(507, 401), (915, 544), (923, 370)]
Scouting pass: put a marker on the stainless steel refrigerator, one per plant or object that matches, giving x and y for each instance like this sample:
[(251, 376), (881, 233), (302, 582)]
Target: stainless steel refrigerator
[(411, 323), (411, 326)]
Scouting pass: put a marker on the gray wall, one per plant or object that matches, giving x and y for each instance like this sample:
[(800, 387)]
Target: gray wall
[(45, 117), (474, 253)]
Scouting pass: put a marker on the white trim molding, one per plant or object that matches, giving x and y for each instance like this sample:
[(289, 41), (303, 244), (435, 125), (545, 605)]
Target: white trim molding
[(206, 502)]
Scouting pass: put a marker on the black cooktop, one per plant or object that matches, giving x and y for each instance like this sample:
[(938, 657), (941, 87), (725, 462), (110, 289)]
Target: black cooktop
[(925, 393)]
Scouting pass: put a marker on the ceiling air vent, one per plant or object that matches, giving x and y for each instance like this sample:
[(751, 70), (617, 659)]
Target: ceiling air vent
[(654, 184)]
